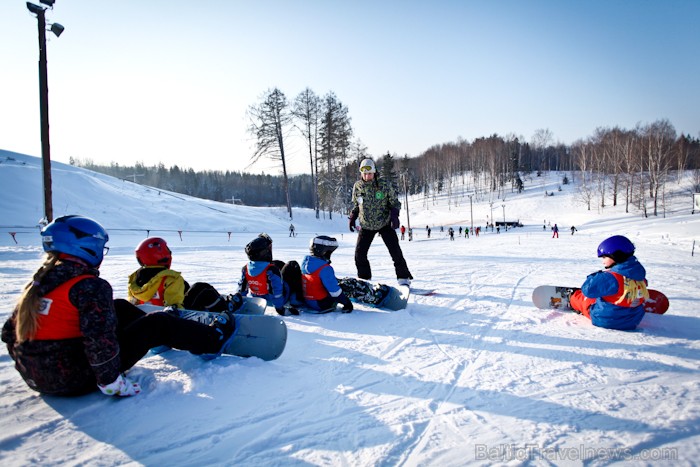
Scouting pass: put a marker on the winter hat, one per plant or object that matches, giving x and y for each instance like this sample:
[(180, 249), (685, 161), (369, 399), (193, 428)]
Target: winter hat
[(367, 166)]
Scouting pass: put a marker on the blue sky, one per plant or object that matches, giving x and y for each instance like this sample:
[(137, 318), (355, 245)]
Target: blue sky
[(170, 81)]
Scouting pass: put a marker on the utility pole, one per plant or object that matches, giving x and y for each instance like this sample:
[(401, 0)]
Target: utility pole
[(405, 194), (471, 209), (57, 29)]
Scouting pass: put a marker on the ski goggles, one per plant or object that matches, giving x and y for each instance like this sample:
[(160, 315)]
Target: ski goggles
[(367, 169)]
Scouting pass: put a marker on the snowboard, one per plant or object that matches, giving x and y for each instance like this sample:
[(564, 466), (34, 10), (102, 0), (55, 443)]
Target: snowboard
[(424, 292), (256, 334), (550, 296), (397, 299), (381, 296)]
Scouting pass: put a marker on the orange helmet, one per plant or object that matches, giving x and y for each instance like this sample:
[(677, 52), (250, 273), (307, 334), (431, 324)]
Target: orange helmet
[(154, 251)]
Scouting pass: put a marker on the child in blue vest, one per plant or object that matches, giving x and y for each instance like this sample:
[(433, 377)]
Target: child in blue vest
[(614, 298), (265, 278), (319, 284)]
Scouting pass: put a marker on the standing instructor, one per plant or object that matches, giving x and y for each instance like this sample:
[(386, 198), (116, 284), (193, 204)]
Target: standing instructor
[(376, 204)]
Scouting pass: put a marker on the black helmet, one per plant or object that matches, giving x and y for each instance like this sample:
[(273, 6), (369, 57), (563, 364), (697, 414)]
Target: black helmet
[(260, 249), (323, 246)]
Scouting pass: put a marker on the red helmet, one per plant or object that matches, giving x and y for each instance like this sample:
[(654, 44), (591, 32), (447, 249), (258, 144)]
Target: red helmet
[(154, 251)]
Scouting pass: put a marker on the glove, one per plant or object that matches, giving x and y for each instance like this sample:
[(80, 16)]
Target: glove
[(122, 386), (352, 223), (395, 223), (347, 304)]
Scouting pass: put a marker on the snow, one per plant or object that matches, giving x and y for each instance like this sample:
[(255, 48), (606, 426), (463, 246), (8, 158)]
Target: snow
[(474, 375)]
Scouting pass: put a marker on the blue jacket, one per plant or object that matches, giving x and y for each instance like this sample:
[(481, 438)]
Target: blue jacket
[(311, 264), (278, 290), (601, 284)]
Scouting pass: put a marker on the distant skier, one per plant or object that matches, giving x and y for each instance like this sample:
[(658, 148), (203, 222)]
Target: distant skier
[(451, 233), (403, 231), (573, 229), (613, 298), (292, 231), (555, 231), (429, 230)]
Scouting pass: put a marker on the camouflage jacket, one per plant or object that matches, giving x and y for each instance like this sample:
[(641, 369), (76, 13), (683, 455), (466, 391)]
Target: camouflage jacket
[(71, 366), (373, 201)]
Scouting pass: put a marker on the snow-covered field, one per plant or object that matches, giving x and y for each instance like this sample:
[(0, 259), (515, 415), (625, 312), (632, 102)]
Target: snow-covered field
[(474, 375)]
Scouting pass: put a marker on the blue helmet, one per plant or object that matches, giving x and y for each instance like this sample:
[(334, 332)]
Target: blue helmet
[(77, 236), (617, 247)]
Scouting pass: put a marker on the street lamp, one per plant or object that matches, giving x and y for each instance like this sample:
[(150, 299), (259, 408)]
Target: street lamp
[(57, 29), (505, 226), (471, 209)]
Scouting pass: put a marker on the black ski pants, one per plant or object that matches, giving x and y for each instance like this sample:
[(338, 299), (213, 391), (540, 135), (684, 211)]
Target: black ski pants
[(391, 240), (138, 332)]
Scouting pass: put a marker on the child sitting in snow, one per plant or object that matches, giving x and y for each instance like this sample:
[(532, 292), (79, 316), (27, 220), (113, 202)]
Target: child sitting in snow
[(156, 284), (319, 284), (321, 290), (614, 298), (265, 278)]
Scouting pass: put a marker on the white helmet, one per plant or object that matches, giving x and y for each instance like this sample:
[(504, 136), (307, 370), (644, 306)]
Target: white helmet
[(367, 166)]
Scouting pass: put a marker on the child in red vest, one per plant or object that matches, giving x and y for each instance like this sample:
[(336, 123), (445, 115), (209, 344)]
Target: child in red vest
[(320, 286), (614, 298), (265, 278)]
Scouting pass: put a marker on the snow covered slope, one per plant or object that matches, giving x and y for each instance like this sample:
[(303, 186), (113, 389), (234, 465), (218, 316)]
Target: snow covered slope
[(474, 375)]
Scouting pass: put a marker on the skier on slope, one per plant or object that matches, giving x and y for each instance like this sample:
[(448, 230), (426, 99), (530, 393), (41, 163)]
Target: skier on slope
[(377, 207), (68, 336), (155, 283), (614, 298), (555, 231)]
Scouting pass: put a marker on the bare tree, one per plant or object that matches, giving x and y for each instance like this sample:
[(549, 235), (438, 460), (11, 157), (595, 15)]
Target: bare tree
[(307, 108), (658, 142), (268, 121), (335, 135), (540, 141), (582, 155)]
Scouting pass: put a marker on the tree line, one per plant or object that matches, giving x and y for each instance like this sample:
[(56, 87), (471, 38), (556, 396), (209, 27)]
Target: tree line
[(614, 165)]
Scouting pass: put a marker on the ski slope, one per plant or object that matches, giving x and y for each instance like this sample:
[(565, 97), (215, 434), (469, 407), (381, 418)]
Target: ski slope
[(473, 375)]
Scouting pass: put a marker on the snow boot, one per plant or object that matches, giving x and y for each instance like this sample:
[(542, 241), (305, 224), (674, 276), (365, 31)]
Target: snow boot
[(225, 325)]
